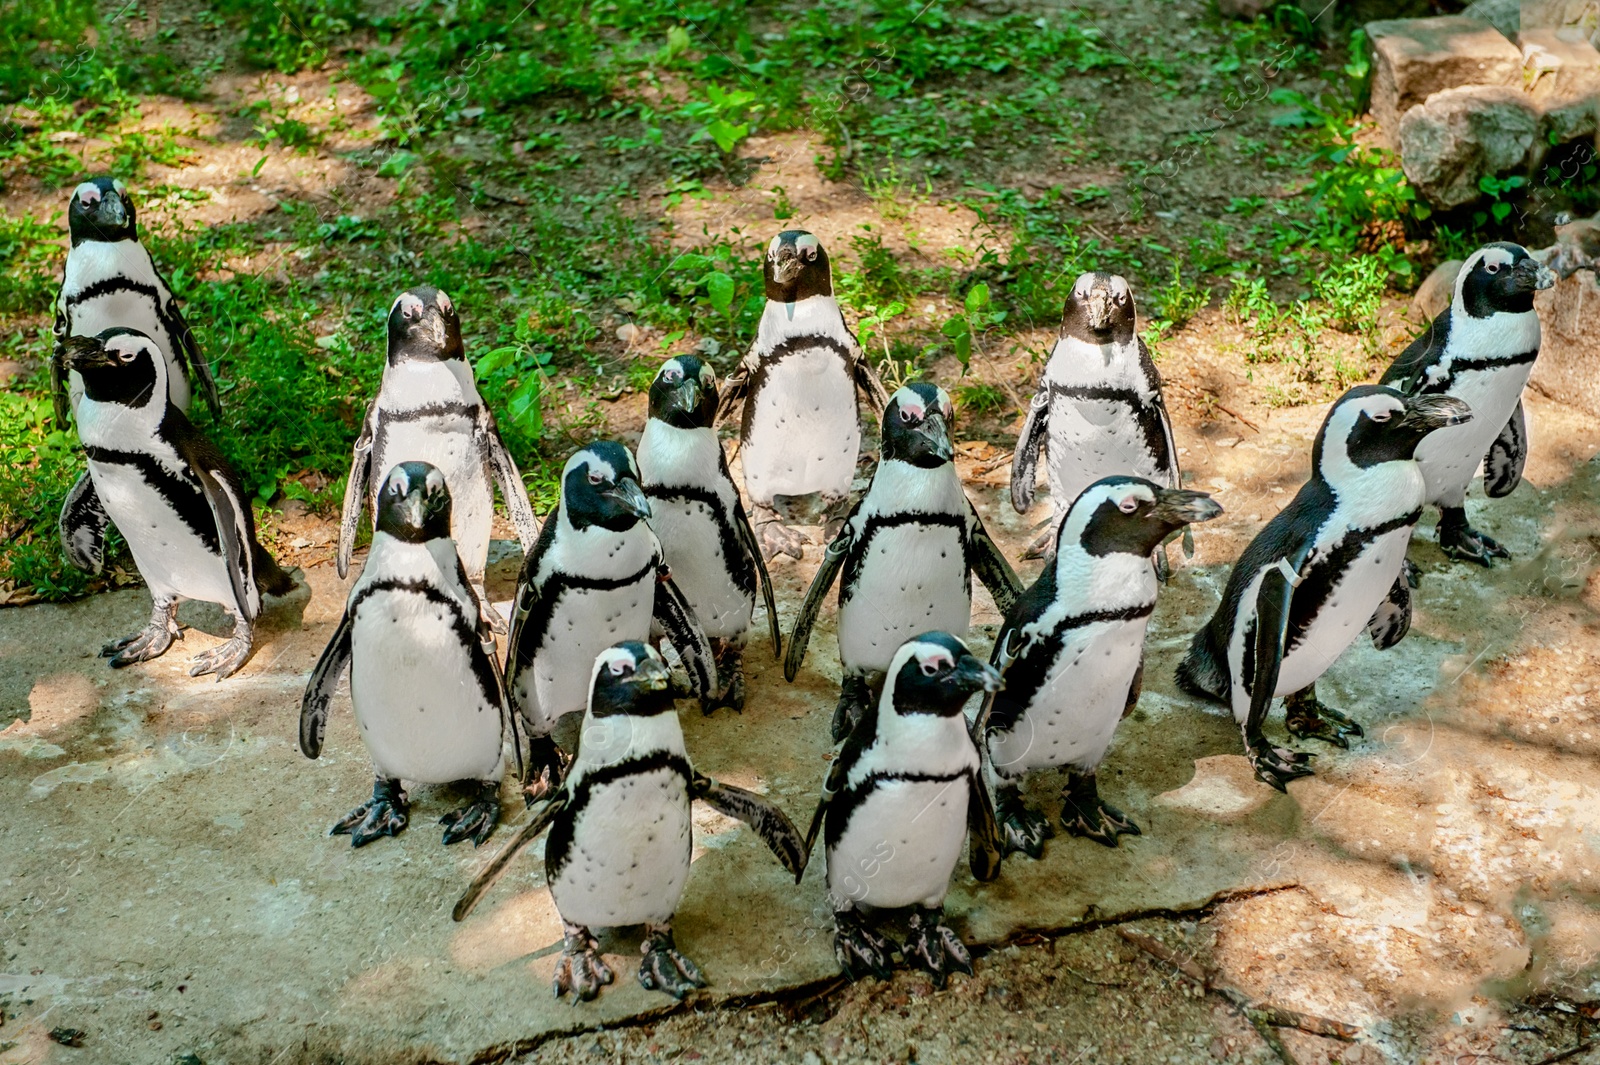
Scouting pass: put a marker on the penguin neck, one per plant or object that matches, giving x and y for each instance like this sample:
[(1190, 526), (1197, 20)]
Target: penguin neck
[(594, 550), (617, 738), (819, 315), (1369, 496), (1086, 582), (932, 743), (899, 488), (391, 558), (668, 455), (92, 259), (412, 383), (1076, 361), (1502, 335), (124, 426)]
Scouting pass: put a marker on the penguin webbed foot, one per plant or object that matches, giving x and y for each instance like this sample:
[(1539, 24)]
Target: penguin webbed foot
[(486, 611), (663, 968), (152, 641), (934, 948), (1163, 564), (476, 820), (1412, 573), (580, 969), (1022, 828), (1040, 547), (1085, 814), (778, 539), (546, 769), (854, 696), (730, 665), (1277, 766), (1463, 543), (860, 950), (1309, 719), (225, 660), (385, 814)]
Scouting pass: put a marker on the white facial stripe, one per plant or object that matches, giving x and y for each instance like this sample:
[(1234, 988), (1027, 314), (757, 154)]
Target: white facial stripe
[(398, 479), (616, 659), (435, 480), (772, 249), (444, 303), (118, 187), (595, 463), (1119, 286), (708, 376), (806, 240), (1081, 287), (88, 192), (409, 305)]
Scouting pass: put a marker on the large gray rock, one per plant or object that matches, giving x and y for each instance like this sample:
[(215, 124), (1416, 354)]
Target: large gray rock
[(1503, 15), (1414, 58), (1561, 71), (1433, 296), (1568, 369), (1460, 135)]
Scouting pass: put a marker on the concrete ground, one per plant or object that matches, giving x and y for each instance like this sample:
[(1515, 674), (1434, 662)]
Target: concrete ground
[(170, 891)]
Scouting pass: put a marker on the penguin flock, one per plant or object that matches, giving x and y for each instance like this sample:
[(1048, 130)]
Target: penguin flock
[(654, 551)]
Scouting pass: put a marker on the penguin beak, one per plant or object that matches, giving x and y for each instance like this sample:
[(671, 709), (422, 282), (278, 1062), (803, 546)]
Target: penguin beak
[(86, 353), (1533, 276), (935, 434), (973, 674), (685, 399), (1180, 506), (627, 494), (1099, 308), (1427, 413), (652, 676), (112, 211), (786, 267)]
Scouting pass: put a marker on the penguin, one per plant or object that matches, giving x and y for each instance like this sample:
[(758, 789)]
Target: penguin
[(621, 836), (109, 281), (1480, 350), (901, 796), (908, 551), (1098, 409), (1327, 565), (800, 433), (596, 576), (424, 680), (705, 535), (177, 501), (1071, 656), (428, 409)]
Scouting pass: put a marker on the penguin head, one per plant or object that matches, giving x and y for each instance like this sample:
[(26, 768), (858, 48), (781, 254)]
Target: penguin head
[(414, 503), (423, 326), (916, 426), (796, 267), (936, 674), (684, 393), (630, 678), (119, 366), (1130, 515), (1099, 310), (600, 486), (1371, 424), (1500, 277), (101, 210)]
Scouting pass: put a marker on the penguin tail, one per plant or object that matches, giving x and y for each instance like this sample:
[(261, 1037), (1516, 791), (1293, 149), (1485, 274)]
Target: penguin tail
[(271, 578), (1201, 672)]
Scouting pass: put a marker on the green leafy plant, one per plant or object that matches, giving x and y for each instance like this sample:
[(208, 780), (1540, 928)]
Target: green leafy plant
[(1495, 188), (965, 330)]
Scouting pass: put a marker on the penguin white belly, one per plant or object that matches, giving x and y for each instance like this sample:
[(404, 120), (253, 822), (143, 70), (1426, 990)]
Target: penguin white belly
[(912, 580), (171, 557), (1346, 611), (1450, 456), (691, 541), (629, 857), (1072, 718), (422, 713), (1091, 439), (449, 443), (129, 310), (804, 434), (901, 844), (585, 622)]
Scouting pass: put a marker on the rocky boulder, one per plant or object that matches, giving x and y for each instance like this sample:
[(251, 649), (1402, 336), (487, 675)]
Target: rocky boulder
[(1568, 369), (1561, 72), (1457, 136), (1412, 59)]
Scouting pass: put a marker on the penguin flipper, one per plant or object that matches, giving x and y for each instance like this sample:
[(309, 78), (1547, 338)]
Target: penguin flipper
[(486, 667), (990, 564), (83, 525), (1274, 595), (1392, 620), (320, 687), (747, 539), (58, 367), (827, 573), (1025, 460), (1502, 466), (1408, 372), (183, 337), (234, 533), (541, 820), (355, 489), (735, 387), (869, 382), (523, 607), (983, 850), (1168, 462), (509, 478), (770, 823), (676, 616), (831, 786)]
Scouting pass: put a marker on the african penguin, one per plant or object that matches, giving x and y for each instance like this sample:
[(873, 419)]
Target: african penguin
[(424, 680), (1071, 655), (176, 500), (800, 435), (428, 409), (908, 551), (1327, 566), (596, 576), (110, 282), (1481, 351), (705, 536), (903, 794), (1098, 410), (620, 830)]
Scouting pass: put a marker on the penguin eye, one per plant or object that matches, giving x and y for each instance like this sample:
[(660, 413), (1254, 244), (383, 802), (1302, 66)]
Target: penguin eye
[(596, 477), (929, 668), (672, 374), (1383, 415), (619, 668), (1493, 268), (126, 355), (1129, 505)]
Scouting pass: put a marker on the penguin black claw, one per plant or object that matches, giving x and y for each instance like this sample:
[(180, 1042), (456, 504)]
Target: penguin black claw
[(934, 948), (663, 968), (547, 769), (859, 950), (228, 658), (152, 641), (1463, 543), (580, 969), (1413, 573), (385, 814), (1277, 765), (1023, 829), (1084, 813), (729, 665), (1309, 719), (854, 698), (777, 538), (476, 820)]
